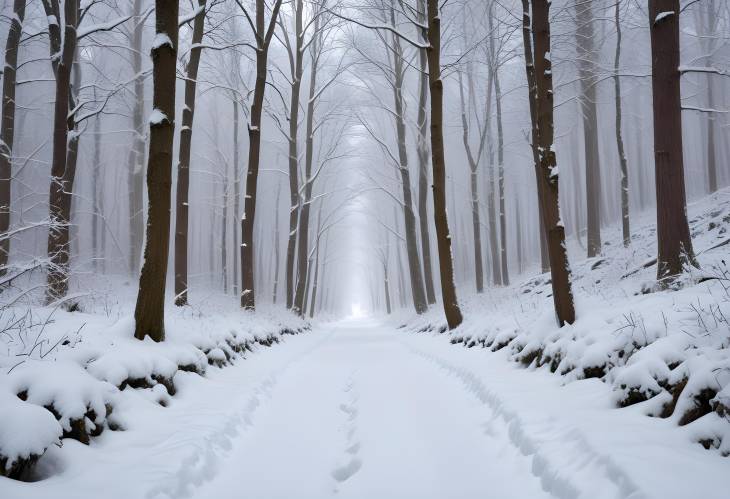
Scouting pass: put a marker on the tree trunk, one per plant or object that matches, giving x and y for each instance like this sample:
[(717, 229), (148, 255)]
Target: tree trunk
[(446, 264), (312, 279), (542, 95), (96, 195), (224, 232), (7, 124), (62, 170), (149, 313), (297, 71), (254, 154), (135, 167), (183, 166), (418, 292), (530, 73), (276, 244), (423, 160), (518, 238), (708, 37), (500, 181), (472, 163), (587, 75), (236, 195), (619, 139), (490, 180), (673, 237), (308, 183)]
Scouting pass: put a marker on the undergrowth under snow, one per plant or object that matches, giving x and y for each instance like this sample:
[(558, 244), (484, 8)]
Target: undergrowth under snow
[(63, 374), (665, 353)]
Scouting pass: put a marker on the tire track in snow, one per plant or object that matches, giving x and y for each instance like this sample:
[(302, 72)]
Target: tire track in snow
[(201, 465), (573, 443)]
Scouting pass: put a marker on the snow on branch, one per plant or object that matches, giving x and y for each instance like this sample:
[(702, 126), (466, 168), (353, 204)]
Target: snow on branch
[(107, 26)]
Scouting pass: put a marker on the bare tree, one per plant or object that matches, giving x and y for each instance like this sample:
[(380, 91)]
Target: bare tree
[(446, 264), (149, 313), (673, 237), (542, 95), (531, 83), (296, 67), (7, 126), (588, 80), (183, 168), (263, 35), (625, 225), (473, 163), (423, 154), (496, 47), (63, 164), (135, 165)]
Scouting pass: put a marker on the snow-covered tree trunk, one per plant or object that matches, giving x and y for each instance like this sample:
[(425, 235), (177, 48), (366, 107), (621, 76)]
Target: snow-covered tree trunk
[(542, 94), (263, 36), (149, 313), (63, 162), (183, 167), (673, 236)]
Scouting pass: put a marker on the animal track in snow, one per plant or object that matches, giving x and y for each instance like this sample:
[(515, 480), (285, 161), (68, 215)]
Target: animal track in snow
[(351, 459)]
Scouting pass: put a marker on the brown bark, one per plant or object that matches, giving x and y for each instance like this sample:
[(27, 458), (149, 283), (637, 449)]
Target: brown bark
[(530, 74), (149, 313), (446, 264), (263, 40), (63, 162), (587, 76), (7, 127), (135, 167), (673, 237), (542, 95), (183, 166), (625, 225)]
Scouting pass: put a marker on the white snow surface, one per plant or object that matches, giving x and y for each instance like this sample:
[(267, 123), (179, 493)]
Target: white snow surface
[(643, 346), (360, 409), (76, 365)]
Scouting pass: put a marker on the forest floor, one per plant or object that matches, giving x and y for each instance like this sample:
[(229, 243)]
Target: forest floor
[(360, 409)]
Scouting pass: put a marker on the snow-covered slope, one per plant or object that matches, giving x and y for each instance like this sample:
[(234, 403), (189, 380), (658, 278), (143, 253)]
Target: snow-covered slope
[(665, 352), (65, 374)]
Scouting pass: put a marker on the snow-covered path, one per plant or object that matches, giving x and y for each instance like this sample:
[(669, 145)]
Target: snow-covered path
[(362, 416), (360, 410)]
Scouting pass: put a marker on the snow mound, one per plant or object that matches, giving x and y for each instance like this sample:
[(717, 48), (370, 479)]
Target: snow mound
[(26, 431)]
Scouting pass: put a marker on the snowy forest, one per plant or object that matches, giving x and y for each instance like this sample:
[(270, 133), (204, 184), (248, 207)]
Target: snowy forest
[(365, 248)]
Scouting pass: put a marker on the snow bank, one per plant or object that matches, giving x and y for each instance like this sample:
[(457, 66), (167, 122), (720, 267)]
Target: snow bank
[(665, 352), (62, 373)]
